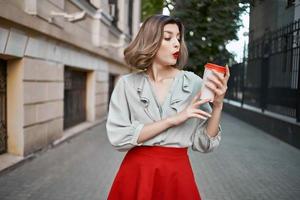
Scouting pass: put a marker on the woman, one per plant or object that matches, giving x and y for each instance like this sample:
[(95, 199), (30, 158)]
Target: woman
[(156, 114)]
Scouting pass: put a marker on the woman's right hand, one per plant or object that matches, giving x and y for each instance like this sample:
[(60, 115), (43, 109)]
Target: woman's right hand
[(192, 110)]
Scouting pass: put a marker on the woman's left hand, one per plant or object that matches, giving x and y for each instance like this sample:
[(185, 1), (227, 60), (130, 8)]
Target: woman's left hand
[(218, 84)]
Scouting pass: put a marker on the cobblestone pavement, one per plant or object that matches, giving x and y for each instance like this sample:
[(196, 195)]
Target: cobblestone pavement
[(249, 165)]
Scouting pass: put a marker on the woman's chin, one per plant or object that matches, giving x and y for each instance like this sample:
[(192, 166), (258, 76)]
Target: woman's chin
[(172, 63), (169, 63)]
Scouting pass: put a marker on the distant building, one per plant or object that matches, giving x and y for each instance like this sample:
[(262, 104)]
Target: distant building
[(59, 60), (270, 15)]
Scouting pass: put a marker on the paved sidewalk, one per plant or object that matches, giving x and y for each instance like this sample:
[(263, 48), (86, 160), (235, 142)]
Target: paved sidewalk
[(248, 165)]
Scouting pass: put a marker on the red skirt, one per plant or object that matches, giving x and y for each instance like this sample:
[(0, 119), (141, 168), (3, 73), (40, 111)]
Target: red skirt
[(151, 173)]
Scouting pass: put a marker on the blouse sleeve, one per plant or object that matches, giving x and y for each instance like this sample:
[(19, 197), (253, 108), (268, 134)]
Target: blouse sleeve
[(201, 140), (122, 132)]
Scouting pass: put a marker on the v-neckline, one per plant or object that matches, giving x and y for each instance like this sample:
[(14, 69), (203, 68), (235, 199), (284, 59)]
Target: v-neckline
[(169, 91)]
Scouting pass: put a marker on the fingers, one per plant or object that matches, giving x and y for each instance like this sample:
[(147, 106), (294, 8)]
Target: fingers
[(227, 75), (201, 112), (196, 98), (222, 78), (218, 81), (201, 115), (217, 91), (198, 116), (219, 77), (200, 102), (198, 113)]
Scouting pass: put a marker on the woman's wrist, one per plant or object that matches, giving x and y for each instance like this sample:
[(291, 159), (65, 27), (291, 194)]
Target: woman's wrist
[(218, 106), (171, 121), (174, 120)]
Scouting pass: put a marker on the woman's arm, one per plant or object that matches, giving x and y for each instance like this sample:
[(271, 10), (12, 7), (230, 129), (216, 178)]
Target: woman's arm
[(213, 122), (218, 84), (151, 130)]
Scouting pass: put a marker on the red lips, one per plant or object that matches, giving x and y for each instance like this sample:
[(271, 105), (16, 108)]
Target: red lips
[(176, 54)]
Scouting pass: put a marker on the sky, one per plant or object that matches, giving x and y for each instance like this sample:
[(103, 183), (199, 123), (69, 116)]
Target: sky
[(236, 46)]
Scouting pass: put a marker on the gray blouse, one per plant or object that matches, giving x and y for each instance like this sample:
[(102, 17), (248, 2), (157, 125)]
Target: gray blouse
[(133, 104)]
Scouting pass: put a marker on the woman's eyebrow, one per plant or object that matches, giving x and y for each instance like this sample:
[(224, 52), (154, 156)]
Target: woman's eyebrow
[(171, 32)]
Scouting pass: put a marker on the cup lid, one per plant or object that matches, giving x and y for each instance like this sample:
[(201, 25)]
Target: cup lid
[(218, 68)]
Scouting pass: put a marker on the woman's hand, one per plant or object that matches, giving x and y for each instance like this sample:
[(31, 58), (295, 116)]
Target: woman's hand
[(192, 110), (218, 84)]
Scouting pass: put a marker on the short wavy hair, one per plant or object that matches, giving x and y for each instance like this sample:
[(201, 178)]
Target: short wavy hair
[(141, 51)]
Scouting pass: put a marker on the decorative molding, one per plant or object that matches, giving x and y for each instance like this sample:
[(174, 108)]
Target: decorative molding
[(30, 7)]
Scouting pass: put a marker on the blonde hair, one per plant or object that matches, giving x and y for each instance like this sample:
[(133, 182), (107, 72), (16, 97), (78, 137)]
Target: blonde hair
[(142, 50)]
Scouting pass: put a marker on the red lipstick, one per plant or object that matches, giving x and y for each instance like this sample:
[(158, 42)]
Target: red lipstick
[(176, 54)]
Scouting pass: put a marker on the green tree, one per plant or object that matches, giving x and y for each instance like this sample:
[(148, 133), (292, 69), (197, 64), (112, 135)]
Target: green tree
[(209, 26), (151, 7)]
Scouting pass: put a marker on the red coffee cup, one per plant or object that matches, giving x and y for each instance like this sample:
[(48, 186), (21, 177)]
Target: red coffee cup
[(207, 93)]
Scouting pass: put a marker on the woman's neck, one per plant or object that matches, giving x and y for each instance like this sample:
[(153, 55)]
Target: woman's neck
[(158, 72)]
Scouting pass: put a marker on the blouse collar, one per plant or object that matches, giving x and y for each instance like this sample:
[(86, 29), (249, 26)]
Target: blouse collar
[(177, 96)]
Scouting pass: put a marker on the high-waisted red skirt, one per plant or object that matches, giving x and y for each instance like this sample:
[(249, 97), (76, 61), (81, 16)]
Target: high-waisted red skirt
[(155, 173)]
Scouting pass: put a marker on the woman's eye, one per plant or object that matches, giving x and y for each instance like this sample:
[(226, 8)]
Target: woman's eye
[(168, 39)]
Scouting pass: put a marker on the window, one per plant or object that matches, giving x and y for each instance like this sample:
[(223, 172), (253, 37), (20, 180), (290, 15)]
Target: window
[(290, 3), (114, 11), (130, 9), (95, 3)]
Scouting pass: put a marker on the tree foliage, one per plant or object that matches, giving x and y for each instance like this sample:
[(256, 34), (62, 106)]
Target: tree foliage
[(209, 26), (151, 7)]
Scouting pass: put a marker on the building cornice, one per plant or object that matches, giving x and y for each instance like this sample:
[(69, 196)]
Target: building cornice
[(14, 15)]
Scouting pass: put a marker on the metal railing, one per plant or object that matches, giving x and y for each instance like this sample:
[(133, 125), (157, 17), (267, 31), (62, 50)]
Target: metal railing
[(270, 78)]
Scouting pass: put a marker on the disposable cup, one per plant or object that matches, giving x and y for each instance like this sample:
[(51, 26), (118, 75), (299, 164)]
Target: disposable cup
[(207, 93)]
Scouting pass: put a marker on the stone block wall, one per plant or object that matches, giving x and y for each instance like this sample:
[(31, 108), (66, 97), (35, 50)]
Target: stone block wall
[(43, 103), (102, 83)]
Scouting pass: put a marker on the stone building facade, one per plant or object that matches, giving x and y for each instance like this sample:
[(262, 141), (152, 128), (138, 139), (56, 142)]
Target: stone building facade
[(269, 15), (59, 60)]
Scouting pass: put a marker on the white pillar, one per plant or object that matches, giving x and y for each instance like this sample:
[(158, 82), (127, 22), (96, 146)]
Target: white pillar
[(91, 95), (136, 18), (15, 107)]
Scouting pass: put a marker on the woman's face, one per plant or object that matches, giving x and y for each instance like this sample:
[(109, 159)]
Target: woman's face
[(168, 51)]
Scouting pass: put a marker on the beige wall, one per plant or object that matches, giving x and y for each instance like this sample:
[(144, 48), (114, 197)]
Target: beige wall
[(38, 50), (79, 34), (101, 94), (43, 103), (15, 108), (35, 104)]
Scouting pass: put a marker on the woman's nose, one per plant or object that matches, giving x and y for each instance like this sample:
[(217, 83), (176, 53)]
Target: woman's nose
[(176, 43)]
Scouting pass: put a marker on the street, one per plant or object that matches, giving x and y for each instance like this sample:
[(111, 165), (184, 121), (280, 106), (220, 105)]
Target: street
[(249, 165)]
